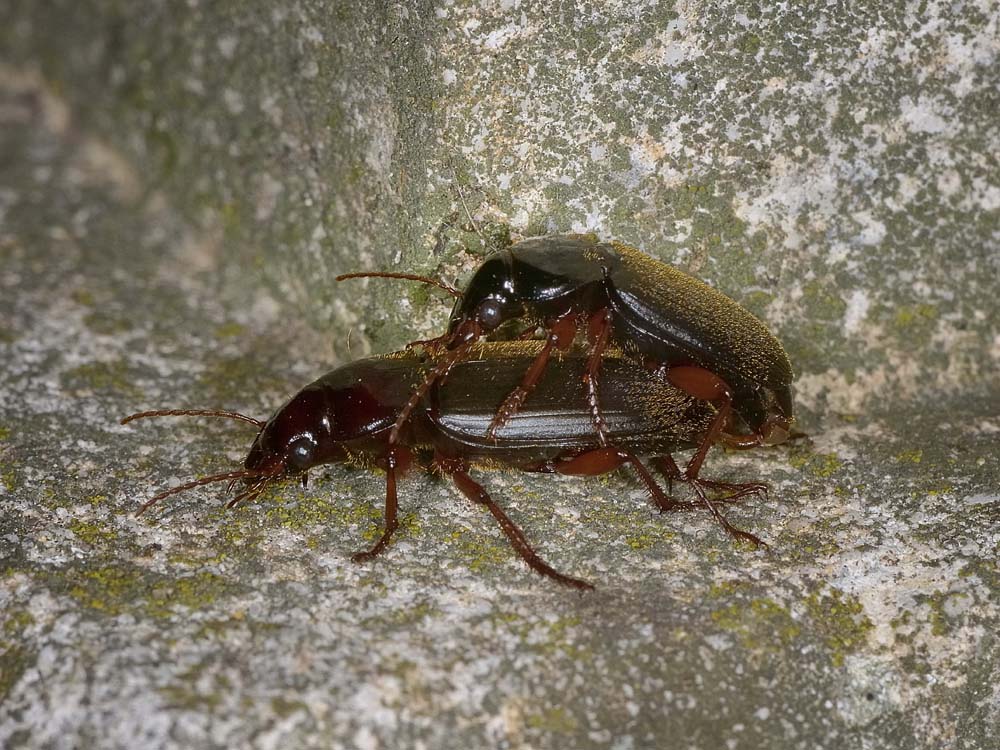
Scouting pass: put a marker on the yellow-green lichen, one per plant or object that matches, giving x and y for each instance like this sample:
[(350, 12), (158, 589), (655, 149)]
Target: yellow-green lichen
[(749, 43), (83, 297), (404, 617), (230, 330), (910, 317), (92, 533), (191, 592), (110, 589), (556, 719), (910, 455), (186, 693), (478, 551), (841, 621), (5, 433), (283, 708), (943, 488), (228, 379), (822, 465), (16, 621), (101, 377), (817, 539), (14, 662), (114, 589), (9, 478), (760, 624)]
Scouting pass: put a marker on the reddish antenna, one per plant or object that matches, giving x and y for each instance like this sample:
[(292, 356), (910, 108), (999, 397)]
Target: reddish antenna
[(192, 413), (408, 276)]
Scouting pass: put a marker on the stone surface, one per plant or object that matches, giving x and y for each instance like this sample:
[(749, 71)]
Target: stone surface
[(179, 185)]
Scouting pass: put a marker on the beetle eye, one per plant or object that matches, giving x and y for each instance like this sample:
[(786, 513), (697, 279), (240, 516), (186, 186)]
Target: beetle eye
[(488, 314), (300, 453)]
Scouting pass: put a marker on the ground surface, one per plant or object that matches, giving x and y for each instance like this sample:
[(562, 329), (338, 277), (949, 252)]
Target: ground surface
[(872, 620)]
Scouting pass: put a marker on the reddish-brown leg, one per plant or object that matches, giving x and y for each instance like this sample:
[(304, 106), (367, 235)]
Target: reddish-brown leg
[(668, 467), (467, 334), (457, 470), (391, 507), (561, 333), (598, 332), (707, 386), (603, 460)]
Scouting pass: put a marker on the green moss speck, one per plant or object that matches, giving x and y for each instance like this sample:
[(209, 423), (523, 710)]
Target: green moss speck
[(83, 297), (283, 708), (101, 376), (229, 378), (761, 624), (14, 662), (841, 621), (910, 456), (16, 621), (114, 589), (230, 330), (822, 465), (910, 318), (9, 478), (191, 592), (557, 720), (479, 552), (92, 534), (110, 589), (823, 300), (749, 43)]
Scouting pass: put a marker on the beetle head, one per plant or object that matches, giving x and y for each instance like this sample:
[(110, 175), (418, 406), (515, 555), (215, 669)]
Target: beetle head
[(298, 437), (490, 298), (768, 415)]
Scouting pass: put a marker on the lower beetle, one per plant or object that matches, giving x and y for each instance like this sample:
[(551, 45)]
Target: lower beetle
[(349, 414)]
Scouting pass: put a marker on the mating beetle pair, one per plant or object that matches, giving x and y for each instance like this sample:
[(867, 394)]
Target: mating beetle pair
[(669, 363)]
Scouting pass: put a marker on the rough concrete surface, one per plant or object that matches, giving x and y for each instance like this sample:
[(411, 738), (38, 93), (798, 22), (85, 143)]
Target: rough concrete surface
[(180, 182)]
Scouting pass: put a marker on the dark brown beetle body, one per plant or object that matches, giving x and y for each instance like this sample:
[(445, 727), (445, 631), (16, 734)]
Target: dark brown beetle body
[(708, 345), (350, 414), (654, 310)]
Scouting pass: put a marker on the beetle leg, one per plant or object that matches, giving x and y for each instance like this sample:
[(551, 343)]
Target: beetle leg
[(660, 499), (391, 507), (475, 492), (668, 467), (466, 335), (733, 531), (707, 386), (603, 460), (561, 333), (598, 332)]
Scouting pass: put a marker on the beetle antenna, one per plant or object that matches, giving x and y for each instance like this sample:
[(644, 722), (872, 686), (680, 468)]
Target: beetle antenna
[(408, 276), (192, 413), (196, 483)]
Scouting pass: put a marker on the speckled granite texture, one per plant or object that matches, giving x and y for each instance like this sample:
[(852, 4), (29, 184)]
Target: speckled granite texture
[(180, 182)]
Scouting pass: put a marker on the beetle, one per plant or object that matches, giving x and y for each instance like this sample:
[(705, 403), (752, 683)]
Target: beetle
[(348, 415), (711, 347)]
